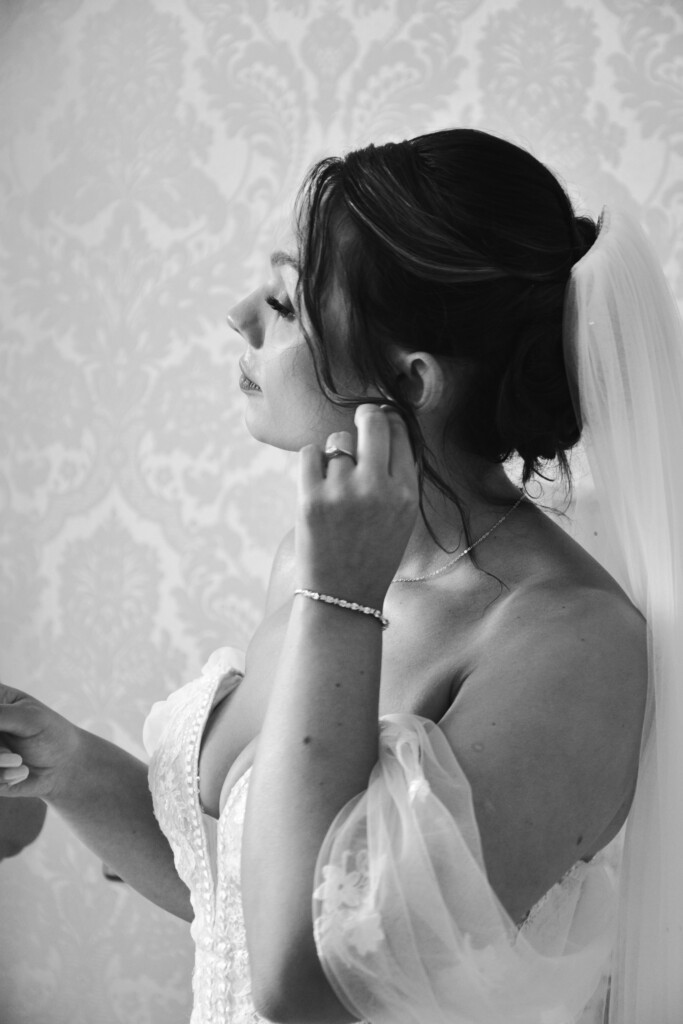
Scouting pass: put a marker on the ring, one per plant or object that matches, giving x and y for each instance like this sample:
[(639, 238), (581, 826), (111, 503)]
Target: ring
[(334, 453)]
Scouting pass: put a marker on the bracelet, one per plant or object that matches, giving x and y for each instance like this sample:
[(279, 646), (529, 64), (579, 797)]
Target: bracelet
[(341, 603)]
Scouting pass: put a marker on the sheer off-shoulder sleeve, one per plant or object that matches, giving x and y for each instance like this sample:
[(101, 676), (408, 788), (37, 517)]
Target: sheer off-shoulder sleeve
[(407, 927)]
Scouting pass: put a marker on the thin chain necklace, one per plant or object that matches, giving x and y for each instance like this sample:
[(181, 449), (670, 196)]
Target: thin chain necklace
[(449, 565)]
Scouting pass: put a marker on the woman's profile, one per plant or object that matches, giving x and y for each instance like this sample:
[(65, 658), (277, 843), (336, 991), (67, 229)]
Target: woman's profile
[(404, 803)]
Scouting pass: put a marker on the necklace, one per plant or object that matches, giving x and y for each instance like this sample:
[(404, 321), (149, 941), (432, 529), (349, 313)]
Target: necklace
[(449, 565)]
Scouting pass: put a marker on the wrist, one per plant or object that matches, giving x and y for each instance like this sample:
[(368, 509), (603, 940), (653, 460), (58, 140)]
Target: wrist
[(369, 611), (369, 593), (73, 772)]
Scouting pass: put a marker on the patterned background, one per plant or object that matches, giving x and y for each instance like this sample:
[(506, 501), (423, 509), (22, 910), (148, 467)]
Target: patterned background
[(148, 150)]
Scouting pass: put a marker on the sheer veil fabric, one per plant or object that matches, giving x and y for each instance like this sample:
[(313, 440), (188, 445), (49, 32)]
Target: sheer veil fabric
[(624, 354), (407, 926)]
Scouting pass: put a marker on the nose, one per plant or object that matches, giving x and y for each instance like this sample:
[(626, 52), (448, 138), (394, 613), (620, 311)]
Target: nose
[(246, 318)]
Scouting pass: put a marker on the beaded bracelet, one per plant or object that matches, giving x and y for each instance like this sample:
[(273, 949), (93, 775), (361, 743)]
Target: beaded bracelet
[(351, 605)]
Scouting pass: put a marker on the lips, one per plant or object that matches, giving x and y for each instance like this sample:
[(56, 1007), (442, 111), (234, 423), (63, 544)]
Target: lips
[(246, 383)]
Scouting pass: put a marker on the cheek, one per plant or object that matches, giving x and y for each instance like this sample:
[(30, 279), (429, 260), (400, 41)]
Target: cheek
[(293, 373), (292, 404), (293, 410), (296, 404)]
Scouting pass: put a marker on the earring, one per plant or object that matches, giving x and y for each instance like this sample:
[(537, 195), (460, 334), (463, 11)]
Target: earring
[(527, 492)]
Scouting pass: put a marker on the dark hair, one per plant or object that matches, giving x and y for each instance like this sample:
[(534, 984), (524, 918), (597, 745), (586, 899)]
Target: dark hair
[(460, 244)]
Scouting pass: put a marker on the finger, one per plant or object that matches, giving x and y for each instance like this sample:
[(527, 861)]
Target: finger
[(339, 465), (12, 770), (374, 439), (14, 722), (12, 776), (401, 460), (8, 758), (311, 468)]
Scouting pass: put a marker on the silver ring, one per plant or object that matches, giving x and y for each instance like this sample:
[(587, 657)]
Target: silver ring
[(334, 453)]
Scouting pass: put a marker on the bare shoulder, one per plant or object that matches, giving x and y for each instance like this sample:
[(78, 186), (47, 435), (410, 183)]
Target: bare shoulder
[(574, 641), (547, 728), (569, 638)]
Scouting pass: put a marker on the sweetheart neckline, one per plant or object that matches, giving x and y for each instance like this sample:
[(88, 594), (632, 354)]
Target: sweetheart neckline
[(237, 784)]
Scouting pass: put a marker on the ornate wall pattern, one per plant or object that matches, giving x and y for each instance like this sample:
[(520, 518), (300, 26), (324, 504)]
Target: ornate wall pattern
[(147, 151)]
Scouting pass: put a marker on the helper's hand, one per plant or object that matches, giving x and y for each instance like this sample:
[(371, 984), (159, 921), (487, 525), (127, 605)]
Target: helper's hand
[(354, 519), (37, 746)]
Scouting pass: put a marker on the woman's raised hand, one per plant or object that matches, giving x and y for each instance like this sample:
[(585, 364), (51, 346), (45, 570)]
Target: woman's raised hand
[(355, 517), (36, 745)]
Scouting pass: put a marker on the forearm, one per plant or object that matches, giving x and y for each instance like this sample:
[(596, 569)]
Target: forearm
[(105, 800), (317, 748)]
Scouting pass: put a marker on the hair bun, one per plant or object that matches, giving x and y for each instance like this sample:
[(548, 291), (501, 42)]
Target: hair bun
[(587, 232), (535, 415)]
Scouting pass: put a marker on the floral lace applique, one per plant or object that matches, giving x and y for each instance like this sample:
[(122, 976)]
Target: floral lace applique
[(348, 911)]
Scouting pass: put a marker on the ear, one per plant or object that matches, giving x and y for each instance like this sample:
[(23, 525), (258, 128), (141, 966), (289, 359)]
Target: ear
[(421, 379)]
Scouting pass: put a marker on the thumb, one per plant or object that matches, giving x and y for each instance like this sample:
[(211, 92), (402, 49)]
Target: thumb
[(16, 718), (9, 695)]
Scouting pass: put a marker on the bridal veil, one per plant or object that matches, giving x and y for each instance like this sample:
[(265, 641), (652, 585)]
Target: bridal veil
[(624, 354)]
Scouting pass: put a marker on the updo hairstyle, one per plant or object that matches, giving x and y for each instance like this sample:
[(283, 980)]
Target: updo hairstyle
[(460, 244)]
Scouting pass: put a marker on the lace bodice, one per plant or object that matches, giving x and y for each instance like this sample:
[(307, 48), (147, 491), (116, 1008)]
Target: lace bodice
[(206, 850), (207, 857)]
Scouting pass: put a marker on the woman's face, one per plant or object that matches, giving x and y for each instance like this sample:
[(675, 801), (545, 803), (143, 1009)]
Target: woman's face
[(283, 403)]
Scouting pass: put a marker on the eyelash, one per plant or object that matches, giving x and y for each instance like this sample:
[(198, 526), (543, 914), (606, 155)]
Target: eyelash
[(282, 311)]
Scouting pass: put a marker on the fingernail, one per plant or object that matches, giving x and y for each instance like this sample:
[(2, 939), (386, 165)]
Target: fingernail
[(12, 780), (9, 760), (393, 411)]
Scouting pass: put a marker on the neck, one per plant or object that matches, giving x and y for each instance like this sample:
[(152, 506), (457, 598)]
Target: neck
[(485, 492)]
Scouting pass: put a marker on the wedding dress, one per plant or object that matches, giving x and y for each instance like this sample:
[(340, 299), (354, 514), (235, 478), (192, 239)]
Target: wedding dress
[(403, 905)]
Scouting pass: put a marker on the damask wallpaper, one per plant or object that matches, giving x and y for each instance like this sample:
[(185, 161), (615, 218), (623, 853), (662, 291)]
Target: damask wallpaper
[(148, 152)]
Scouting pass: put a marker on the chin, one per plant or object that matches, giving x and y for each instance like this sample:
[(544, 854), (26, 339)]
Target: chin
[(274, 438)]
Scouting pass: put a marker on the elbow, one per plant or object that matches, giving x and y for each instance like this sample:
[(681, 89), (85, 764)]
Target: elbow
[(282, 999), (281, 962), (288, 983), (273, 1006), (296, 995)]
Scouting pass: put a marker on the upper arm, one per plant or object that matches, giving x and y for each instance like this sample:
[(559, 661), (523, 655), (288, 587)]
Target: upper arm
[(547, 730), (281, 580)]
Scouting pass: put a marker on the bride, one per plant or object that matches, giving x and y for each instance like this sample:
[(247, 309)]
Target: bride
[(405, 803)]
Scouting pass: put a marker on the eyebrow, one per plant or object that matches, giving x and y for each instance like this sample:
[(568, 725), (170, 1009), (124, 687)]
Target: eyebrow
[(284, 259)]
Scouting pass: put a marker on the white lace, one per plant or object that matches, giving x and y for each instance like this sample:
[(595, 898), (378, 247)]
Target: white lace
[(206, 851)]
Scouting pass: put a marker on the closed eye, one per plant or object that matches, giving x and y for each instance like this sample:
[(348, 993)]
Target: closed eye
[(283, 311)]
